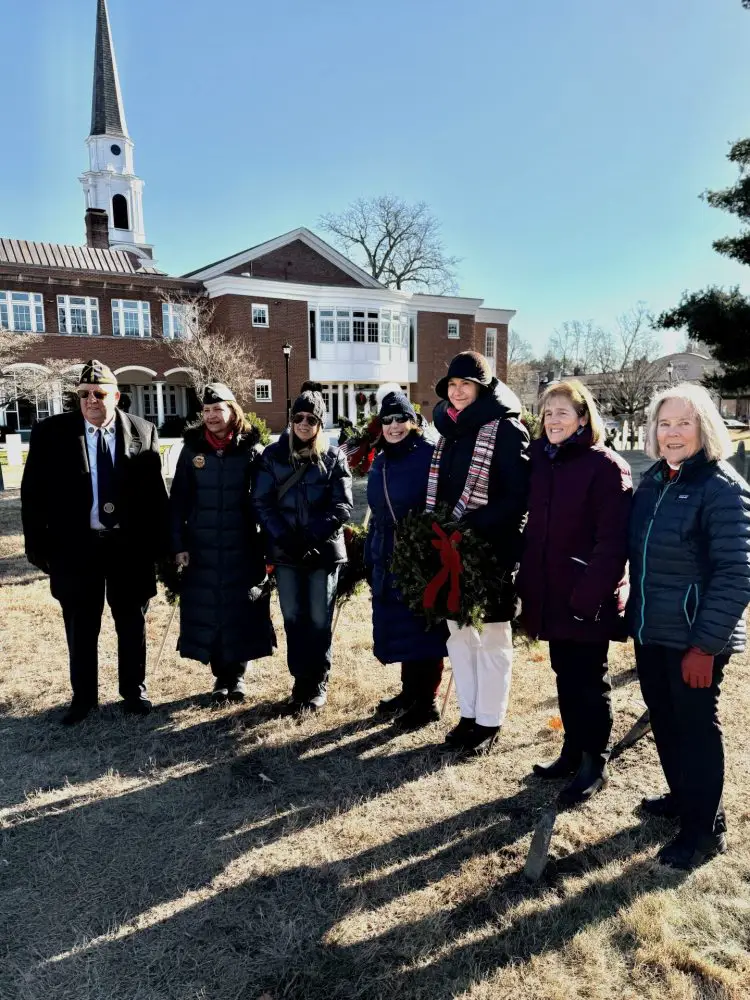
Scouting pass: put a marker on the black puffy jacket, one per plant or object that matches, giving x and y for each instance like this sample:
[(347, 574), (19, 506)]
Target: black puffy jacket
[(690, 557), (308, 519), (213, 520)]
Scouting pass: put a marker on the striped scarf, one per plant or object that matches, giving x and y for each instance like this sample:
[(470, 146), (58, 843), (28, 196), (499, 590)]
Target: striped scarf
[(475, 492)]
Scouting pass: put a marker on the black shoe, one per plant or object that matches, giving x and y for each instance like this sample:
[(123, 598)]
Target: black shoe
[(137, 706), (417, 717), (663, 806), (456, 738), (77, 713), (480, 741), (315, 703), (237, 690), (687, 852), (392, 706), (562, 767), (590, 778), (220, 692)]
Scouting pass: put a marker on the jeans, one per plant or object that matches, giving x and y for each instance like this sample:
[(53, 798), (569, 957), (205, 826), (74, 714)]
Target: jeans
[(687, 733), (307, 599), (584, 693)]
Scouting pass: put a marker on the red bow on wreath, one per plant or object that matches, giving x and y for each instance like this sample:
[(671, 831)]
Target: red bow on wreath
[(450, 569)]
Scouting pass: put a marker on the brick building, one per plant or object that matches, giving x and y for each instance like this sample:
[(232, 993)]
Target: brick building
[(107, 299)]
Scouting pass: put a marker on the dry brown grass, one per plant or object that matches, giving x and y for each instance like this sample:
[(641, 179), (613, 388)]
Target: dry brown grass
[(152, 859)]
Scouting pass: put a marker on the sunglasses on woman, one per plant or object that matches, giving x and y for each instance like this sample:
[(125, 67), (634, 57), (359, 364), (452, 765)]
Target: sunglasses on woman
[(96, 393), (398, 417), (305, 418)]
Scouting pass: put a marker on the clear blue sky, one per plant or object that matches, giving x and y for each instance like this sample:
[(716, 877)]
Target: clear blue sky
[(563, 145)]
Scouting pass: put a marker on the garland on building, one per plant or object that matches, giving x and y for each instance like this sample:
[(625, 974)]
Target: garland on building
[(444, 571)]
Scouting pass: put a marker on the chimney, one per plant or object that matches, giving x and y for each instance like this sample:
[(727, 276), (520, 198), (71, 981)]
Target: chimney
[(97, 228)]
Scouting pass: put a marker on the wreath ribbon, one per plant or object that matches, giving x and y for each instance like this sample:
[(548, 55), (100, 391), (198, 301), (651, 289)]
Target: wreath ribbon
[(450, 569)]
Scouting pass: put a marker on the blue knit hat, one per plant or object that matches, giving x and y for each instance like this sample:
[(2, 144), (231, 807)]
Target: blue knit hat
[(396, 404)]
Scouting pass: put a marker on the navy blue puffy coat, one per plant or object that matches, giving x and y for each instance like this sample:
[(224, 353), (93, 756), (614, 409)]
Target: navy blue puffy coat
[(398, 633), (690, 557)]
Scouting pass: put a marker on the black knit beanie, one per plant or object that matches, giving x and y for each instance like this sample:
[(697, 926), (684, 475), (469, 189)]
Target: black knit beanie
[(470, 366), (310, 401), (396, 404)]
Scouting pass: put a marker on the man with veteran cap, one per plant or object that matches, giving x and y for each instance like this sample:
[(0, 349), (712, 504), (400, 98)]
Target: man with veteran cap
[(94, 509)]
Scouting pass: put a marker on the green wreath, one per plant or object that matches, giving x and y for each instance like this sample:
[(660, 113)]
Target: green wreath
[(444, 570)]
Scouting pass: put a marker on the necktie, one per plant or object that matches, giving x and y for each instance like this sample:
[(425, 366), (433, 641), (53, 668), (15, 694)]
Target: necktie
[(105, 477)]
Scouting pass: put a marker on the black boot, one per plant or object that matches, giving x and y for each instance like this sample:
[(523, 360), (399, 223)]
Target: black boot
[(687, 852), (77, 712), (480, 741), (455, 739), (237, 690), (590, 778), (220, 692), (566, 764), (421, 713), (402, 702)]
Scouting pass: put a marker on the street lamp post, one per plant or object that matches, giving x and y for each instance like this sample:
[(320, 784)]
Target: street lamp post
[(287, 349)]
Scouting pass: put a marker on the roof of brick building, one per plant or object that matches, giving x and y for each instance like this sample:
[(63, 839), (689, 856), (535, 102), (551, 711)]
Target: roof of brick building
[(60, 255)]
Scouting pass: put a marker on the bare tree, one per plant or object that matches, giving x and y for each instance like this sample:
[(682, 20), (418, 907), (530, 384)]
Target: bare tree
[(14, 345), (519, 350), (211, 355), (519, 368), (398, 243), (575, 344), (39, 382)]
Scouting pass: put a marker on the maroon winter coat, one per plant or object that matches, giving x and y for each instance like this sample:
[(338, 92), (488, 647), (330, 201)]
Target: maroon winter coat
[(576, 542)]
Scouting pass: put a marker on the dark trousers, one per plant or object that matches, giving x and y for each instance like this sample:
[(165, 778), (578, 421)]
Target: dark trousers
[(420, 679), (584, 693), (228, 671), (687, 733), (308, 599), (81, 595)]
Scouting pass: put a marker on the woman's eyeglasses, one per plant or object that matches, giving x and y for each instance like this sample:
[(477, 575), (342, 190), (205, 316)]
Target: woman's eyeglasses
[(96, 393), (398, 417), (305, 418)]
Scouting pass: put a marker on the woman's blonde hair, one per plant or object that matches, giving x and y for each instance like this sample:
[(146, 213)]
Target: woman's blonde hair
[(714, 436), (580, 398)]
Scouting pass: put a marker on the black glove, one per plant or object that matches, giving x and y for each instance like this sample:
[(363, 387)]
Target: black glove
[(38, 560)]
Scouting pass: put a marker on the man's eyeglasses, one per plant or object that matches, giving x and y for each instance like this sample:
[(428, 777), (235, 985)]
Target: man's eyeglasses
[(398, 417), (305, 418), (96, 393)]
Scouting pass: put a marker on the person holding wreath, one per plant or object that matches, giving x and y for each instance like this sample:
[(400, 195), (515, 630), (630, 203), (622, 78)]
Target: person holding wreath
[(225, 616), (572, 575), (397, 484), (303, 498), (690, 586), (480, 470)]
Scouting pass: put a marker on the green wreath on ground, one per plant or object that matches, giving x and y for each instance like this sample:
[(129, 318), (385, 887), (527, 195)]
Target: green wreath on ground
[(444, 570)]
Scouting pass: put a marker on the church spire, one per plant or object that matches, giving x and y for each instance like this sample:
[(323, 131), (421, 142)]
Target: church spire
[(107, 111)]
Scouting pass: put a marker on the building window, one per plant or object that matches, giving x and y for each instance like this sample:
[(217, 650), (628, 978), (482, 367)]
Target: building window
[(454, 329), (131, 318), (260, 314), (263, 390), (358, 327), (22, 311), (326, 326), (343, 326), (412, 340), (120, 212), (490, 349), (172, 320), (372, 328), (385, 326), (78, 314), (313, 341), (403, 329)]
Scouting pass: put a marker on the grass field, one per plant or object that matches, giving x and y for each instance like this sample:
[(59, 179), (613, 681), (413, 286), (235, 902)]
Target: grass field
[(225, 853)]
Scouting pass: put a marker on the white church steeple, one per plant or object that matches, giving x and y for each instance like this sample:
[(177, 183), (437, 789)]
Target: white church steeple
[(110, 183)]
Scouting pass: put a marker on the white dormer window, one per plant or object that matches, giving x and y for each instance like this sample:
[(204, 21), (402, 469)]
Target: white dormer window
[(131, 318), (454, 329), (22, 312), (263, 390), (326, 326), (78, 314), (172, 320), (260, 314)]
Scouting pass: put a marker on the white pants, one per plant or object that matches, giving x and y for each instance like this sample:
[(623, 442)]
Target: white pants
[(482, 663)]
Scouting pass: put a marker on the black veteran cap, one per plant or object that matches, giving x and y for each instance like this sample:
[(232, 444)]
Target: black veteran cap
[(97, 373), (217, 392)]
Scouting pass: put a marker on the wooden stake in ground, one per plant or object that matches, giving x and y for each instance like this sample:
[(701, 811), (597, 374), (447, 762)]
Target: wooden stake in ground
[(536, 860), (164, 640)]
